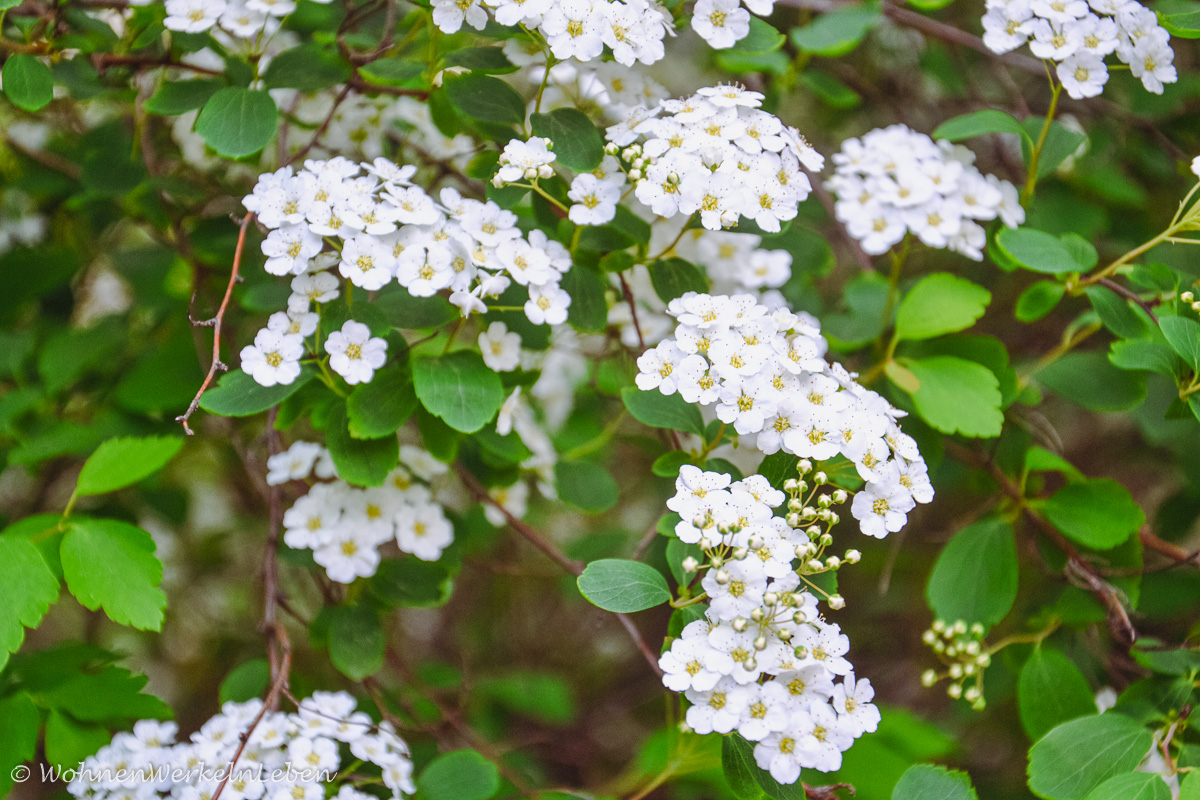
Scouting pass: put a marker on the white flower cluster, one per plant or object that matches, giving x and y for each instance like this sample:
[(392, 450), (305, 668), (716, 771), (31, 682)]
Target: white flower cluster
[(287, 756), (1078, 34), (345, 526), (763, 661), (722, 23), (241, 20), (632, 29), (717, 154), (384, 228), (765, 371), (20, 222), (275, 356), (894, 181)]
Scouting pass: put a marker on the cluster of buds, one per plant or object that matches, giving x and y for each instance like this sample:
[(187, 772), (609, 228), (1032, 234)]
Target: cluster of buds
[(633, 162), (1191, 300), (808, 510), (529, 160), (960, 648)]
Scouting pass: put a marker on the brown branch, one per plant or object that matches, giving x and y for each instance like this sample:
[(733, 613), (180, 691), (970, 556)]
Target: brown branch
[(1113, 286), (1172, 551), (567, 564), (826, 792), (358, 84), (102, 61), (337, 102), (216, 323)]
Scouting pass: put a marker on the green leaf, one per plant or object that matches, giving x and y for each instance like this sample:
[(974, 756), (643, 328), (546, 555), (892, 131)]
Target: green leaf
[(356, 641), (246, 682), (667, 465), (110, 564), (180, 97), (29, 590), (978, 123), (485, 98), (623, 586), (673, 277), (541, 695), (1077, 756), (1149, 356), (403, 310), (112, 693), (308, 68), (118, 463), (1037, 250), (940, 303), (1189, 788), (19, 721), (1060, 143), (391, 71), (585, 485), (1132, 786), (1185, 25), (1098, 513), (481, 59), (1089, 380), (239, 395), (737, 762), (1050, 691), (762, 38), (927, 782), (69, 742), (237, 122), (1183, 334), (830, 90), (379, 408), (27, 82), (957, 396), (975, 577), (836, 33), (577, 142), (412, 583), (1038, 300), (459, 389), (659, 410), (589, 309), (461, 775), (362, 462)]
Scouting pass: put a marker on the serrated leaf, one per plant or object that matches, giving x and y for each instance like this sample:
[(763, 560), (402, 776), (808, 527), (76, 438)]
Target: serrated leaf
[(459, 389), (577, 142), (1077, 756), (957, 395), (938, 304), (623, 586), (19, 721), (29, 590), (1098, 513), (122, 462), (928, 782), (111, 565), (69, 742), (237, 122), (975, 577), (1050, 691), (737, 762), (112, 693), (658, 410)]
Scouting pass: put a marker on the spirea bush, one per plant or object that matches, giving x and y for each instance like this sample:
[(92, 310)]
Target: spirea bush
[(598, 399)]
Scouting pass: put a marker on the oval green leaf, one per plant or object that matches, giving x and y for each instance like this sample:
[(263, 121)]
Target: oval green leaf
[(622, 586)]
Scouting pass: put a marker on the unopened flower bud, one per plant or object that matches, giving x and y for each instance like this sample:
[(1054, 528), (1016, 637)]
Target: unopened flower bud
[(707, 543), (793, 520), (800, 618), (853, 556), (739, 624), (531, 173), (785, 635), (740, 553), (969, 669), (789, 485), (757, 615), (749, 665), (717, 562), (635, 175), (928, 678), (1196, 306), (956, 671), (826, 540), (833, 562), (628, 154), (813, 532), (805, 466), (1187, 297), (545, 171), (834, 519), (755, 543), (836, 602), (760, 643), (938, 626), (839, 496), (954, 690), (815, 565), (979, 704), (977, 629), (794, 504), (611, 148), (929, 637), (800, 652), (820, 479), (639, 163), (722, 577), (972, 694), (960, 627), (684, 727), (824, 515), (690, 565), (771, 598), (497, 181), (939, 646)]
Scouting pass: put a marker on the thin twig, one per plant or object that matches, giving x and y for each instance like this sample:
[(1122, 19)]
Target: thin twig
[(216, 323), (1111, 285), (337, 102)]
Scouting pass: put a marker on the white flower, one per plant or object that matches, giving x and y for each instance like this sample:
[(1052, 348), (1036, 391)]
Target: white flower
[(367, 262), (425, 532), (193, 16), (573, 29), (289, 249), (524, 160), (513, 499), (501, 348), (882, 507), (595, 200), (293, 464), (350, 554), (721, 23), (1196, 166), (1083, 75), (354, 353), (273, 358), (547, 305), (449, 15)]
